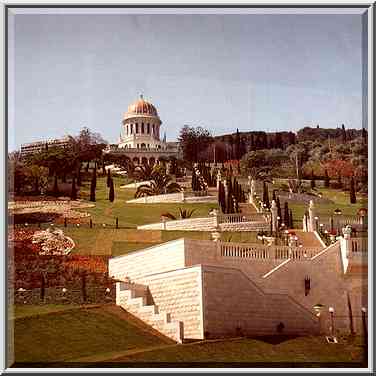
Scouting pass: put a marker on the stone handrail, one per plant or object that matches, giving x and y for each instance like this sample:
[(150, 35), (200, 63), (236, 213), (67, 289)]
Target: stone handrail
[(263, 252), (359, 246), (238, 217), (342, 220)]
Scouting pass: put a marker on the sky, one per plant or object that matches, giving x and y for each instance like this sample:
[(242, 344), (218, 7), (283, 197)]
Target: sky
[(222, 72)]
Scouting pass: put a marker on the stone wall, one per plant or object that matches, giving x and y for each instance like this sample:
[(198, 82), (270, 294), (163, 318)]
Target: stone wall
[(190, 224), (328, 285), (156, 259), (209, 253), (55, 295), (179, 293), (173, 198), (205, 224), (234, 305)]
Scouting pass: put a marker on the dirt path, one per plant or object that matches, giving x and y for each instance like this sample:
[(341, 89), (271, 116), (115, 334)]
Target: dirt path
[(247, 208), (308, 239)]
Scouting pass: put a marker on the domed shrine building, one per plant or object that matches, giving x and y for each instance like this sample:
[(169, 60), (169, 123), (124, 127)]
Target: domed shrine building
[(140, 138)]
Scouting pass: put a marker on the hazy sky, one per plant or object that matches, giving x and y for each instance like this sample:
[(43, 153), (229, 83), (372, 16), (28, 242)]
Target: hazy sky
[(252, 72)]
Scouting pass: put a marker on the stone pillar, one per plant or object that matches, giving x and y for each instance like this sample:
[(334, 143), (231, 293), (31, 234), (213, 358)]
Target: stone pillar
[(226, 188), (219, 177), (274, 214), (312, 215), (182, 195), (253, 190), (346, 242), (305, 223)]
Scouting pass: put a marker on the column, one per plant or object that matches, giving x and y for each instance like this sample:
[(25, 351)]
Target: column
[(312, 214), (274, 214)]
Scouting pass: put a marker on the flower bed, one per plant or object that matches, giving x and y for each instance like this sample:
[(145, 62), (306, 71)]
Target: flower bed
[(31, 271)]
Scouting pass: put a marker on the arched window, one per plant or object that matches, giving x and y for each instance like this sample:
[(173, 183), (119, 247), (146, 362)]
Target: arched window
[(131, 128), (148, 128), (142, 128), (153, 130), (136, 128)]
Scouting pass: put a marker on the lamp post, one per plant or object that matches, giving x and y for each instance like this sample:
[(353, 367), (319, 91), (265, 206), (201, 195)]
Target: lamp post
[(321, 227), (365, 332), (331, 311), (317, 223), (362, 212), (337, 212), (278, 219), (318, 308)]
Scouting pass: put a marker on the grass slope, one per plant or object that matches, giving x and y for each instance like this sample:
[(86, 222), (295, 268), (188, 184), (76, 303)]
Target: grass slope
[(299, 350), (65, 335)]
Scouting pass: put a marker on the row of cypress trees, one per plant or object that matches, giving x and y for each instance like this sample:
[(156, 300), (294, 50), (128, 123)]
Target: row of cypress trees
[(235, 194)]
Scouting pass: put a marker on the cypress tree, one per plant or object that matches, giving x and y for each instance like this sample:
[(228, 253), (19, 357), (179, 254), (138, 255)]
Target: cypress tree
[(352, 191), (223, 198), (279, 210), (313, 182), (344, 136), (92, 187), (83, 286), (95, 176), (79, 174), (286, 216), (55, 188), (111, 195), (274, 198), (74, 190), (327, 180), (291, 219), (108, 178), (265, 196), (339, 180), (230, 203)]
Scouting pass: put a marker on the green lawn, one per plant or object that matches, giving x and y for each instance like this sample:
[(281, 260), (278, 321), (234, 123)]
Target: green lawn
[(295, 352), (132, 214), (55, 334), (27, 310), (68, 335)]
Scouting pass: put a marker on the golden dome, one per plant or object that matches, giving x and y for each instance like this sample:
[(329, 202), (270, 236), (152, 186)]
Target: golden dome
[(142, 107)]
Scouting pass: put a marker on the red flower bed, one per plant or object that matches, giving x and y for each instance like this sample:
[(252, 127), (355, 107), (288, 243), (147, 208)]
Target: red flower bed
[(31, 268)]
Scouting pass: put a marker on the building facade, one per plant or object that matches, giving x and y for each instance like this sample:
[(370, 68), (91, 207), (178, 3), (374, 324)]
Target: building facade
[(140, 139), (38, 146)]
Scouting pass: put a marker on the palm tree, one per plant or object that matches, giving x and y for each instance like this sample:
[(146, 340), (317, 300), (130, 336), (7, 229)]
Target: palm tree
[(144, 172), (259, 173), (160, 184)]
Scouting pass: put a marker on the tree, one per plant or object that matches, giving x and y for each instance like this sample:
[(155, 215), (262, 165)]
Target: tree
[(194, 141), (291, 219), (160, 184), (111, 195), (352, 191), (55, 189), (344, 136), (74, 190), (279, 210), (108, 178), (237, 145), (265, 196), (286, 215), (326, 180), (93, 186), (313, 183)]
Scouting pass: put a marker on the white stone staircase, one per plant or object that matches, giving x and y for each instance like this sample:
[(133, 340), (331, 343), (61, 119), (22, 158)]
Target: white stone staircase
[(134, 299)]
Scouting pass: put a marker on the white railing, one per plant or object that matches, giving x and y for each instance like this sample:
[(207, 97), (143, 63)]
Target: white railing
[(261, 252), (238, 217), (341, 220), (359, 246)]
